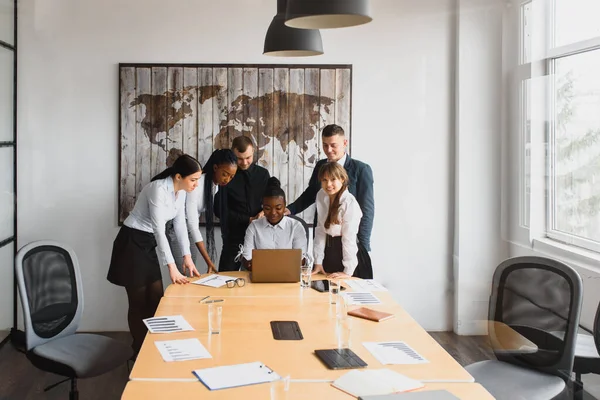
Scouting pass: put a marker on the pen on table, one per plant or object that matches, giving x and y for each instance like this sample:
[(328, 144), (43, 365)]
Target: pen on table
[(213, 301), (202, 299)]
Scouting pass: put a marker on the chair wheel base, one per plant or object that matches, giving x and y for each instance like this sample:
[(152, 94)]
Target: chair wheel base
[(74, 393), (55, 385)]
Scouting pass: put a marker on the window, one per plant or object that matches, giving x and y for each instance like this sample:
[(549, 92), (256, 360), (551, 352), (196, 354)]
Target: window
[(575, 21), (525, 127), (570, 61), (575, 161)]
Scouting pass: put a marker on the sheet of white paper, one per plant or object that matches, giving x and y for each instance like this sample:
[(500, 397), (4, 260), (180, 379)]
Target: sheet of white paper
[(213, 280), (373, 382), (394, 353), (361, 298), (235, 375), (365, 285), (181, 350), (167, 324)]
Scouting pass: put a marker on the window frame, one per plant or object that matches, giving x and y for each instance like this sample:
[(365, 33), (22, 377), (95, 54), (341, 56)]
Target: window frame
[(12, 241), (546, 67)]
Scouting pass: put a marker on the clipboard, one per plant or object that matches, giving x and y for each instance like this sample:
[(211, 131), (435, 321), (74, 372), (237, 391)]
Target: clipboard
[(230, 376)]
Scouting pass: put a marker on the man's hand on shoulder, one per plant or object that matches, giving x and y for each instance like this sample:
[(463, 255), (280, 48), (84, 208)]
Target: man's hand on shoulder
[(257, 216)]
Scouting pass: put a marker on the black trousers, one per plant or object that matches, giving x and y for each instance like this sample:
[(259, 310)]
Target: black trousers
[(231, 247), (334, 256)]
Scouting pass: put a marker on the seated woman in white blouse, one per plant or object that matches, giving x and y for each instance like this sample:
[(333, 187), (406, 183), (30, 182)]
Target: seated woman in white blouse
[(337, 251), (274, 230)]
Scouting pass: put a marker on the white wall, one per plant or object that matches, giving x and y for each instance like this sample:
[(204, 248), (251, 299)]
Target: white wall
[(478, 245), (402, 126)]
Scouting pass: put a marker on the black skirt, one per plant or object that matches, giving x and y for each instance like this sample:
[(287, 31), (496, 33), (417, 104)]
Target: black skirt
[(332, 262), (134, 262)]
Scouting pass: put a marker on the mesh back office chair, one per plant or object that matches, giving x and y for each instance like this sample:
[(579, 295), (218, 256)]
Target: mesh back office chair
[(304, 224), (532, 297), (587, 353), (52, 297)]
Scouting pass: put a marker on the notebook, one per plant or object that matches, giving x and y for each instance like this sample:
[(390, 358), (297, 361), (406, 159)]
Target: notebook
[(373, 315), (235, 375), (427, 395), (375, 382)]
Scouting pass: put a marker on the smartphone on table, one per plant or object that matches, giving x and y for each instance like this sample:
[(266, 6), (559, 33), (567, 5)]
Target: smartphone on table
[(322, 286)]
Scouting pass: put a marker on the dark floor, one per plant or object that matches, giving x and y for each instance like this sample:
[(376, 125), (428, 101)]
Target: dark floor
[(19, 380), (465, 349), (469, 349)]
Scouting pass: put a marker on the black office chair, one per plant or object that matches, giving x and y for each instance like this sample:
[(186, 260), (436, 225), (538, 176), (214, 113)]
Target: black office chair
[(304, 224), (52, 297), (532, 298), (587, 357)]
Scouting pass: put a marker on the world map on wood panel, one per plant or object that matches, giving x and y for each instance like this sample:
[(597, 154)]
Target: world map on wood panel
[(157, 128), (196, 109)]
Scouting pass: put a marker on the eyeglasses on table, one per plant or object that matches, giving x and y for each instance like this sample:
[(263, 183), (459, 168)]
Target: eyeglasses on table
[(232, 282)]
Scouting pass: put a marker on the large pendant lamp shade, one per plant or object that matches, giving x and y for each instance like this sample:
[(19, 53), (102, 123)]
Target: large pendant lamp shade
[(325, 14), (283, 41)]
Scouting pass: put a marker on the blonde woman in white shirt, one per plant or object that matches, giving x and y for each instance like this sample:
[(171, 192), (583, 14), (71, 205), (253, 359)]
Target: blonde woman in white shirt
[(274, 230), (337, 252), (141, 248)]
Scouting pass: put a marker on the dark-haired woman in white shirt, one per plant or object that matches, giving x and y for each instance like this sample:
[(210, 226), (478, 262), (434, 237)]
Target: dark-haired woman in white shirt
[(336, 249), (141, 247), (219, 169)]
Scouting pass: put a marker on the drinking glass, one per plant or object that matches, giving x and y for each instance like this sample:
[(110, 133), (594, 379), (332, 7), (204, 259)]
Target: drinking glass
[(343, 331), (341, 307), (334, 290), (305, 276), (280, 388), (215, 314)]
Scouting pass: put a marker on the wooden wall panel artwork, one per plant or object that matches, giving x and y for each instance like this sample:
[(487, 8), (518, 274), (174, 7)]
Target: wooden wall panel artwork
[(197, 108)]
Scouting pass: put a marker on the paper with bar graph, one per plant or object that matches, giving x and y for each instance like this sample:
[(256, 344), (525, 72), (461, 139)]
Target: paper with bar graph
[(181, 350), (394, 353), (167, 324)]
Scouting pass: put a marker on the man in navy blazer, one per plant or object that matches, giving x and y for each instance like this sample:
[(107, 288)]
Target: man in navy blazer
[(360, 176)]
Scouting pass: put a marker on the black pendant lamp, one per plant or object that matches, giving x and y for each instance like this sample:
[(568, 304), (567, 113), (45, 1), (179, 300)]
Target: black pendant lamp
[(325, 14), (283, 41)]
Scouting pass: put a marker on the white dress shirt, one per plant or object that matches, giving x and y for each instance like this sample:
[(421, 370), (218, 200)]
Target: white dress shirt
[(287, 234), (342, 160), (155, 205), (349, 216), (194, 206)]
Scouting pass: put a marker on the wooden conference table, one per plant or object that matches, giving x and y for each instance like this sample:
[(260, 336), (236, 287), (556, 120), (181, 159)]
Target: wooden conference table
[(246, 337)]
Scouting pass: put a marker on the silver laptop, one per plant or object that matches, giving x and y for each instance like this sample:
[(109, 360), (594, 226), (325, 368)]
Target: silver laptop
[(276, 265)]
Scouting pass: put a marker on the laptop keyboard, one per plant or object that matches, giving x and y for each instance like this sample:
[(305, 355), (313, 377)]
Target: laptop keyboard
[(340, 359)]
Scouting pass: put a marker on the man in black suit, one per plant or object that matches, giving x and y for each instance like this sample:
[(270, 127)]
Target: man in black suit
[(240, 202), (360, 176)]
